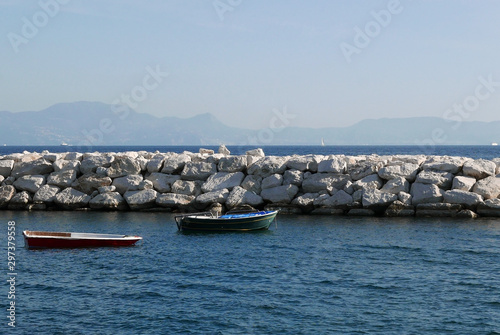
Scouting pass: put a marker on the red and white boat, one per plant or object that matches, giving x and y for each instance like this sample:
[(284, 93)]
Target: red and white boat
[(46, 239)]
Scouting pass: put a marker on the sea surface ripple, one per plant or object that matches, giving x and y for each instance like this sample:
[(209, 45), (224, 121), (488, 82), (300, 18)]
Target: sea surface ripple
[(308, 275)]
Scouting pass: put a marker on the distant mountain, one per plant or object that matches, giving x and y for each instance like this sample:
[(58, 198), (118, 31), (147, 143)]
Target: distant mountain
[(95, 123)]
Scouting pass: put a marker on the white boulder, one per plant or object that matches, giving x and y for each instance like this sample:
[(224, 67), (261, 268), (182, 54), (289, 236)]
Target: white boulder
[(162, 182), (70, 198), (479, 168), (223, 180), (46, 194), (280, 194), (425, 193), (140, 199), (376, 198), (218, 196), (29, 183), (488, 187), (198, 170), (108, 201), (239, 196), (396, 185), (407, 170), (232, 164), (463, 183), (6, 167), (469, 199)]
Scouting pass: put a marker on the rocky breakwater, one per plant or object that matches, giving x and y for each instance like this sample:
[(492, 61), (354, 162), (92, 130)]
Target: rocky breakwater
[(399, 185)]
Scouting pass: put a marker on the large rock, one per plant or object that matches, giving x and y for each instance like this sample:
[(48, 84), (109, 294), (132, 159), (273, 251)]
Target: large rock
[(29, 183), (91, 162), (376, 198), (272, 181), (445, 163), (218, 196), (396, 186), (441, 179), (108, 201), (407, 170), (198, 170), (62, 178), (239, 196), (224, 150), (267, 166), (175, 163), (127, 183), (294, 177), (91, 182), (6, 193), (479, 168), (425, 193), (280, 194), (338, 199), (324, 181), (70, 156), (463, 183), (332, 165), (490, 207), (372, 181), (19, 201), (186, 187), (6, 167), (140, 199), (155, 164), (39, 167), (305, 200), (359, 170), (252, 183), (162, 182), (62, 164), (46, 194), (232, 164), (70, 198), (172, 200), (465, 198), (223, 180), (488, 187), (124, 166), (302, 163), (256, 152)]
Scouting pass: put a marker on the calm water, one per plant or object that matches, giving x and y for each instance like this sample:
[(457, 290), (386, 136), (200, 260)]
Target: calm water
[(473, 151), (310, 275)]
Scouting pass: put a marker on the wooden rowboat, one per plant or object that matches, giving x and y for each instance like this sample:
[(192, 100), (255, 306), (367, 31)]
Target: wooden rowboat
[(45, 239), (229, 222)]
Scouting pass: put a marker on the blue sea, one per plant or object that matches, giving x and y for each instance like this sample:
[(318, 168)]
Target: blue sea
[(306, 275), (472, 151)]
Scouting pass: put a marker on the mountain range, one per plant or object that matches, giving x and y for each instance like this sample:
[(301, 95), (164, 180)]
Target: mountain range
[(95, 123)]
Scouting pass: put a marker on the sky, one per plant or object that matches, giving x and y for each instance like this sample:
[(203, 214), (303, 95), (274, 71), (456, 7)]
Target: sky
[(319, 63)]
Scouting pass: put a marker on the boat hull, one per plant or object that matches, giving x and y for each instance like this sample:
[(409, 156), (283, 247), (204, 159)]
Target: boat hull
[(228, 222), (39, 242)]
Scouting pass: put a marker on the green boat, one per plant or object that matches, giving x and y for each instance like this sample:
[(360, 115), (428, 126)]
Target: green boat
[(228, 222)]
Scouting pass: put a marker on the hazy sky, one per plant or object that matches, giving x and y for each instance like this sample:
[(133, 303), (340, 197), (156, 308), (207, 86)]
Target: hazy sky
[(330, 62)]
